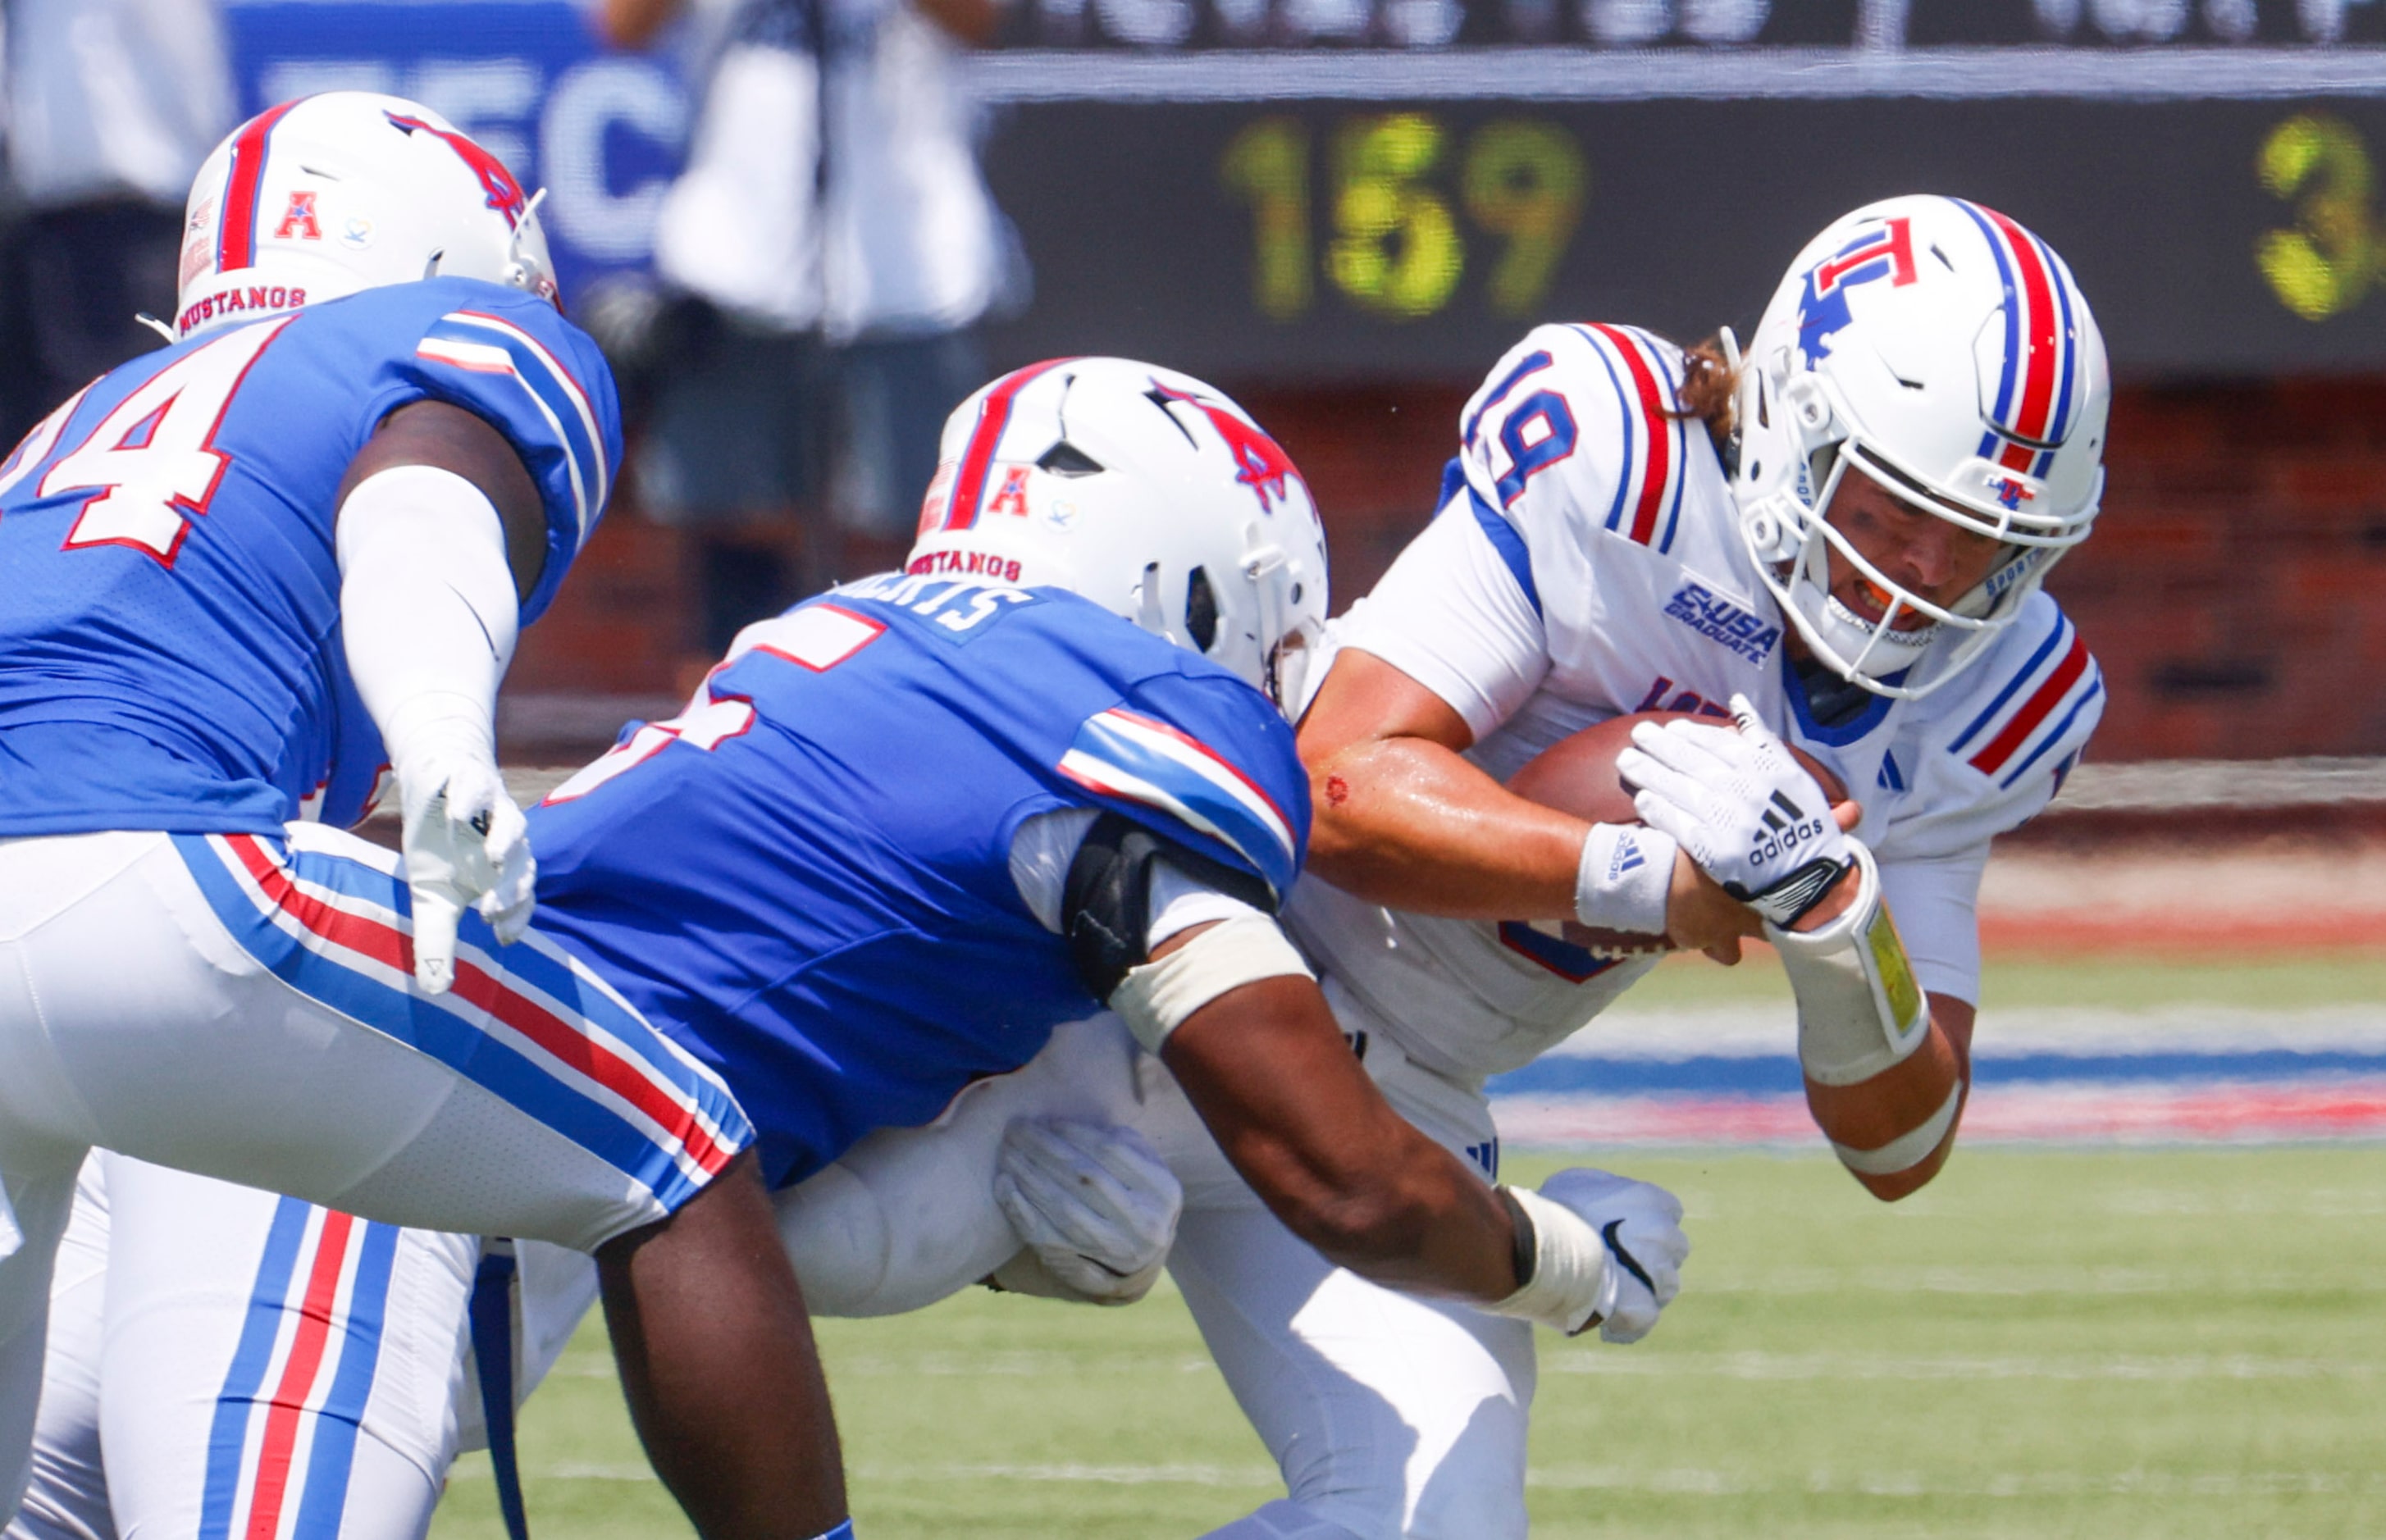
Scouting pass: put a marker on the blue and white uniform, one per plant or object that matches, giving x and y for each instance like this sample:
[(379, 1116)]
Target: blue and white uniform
[(1584, 564), (186, 974), (809, 879)]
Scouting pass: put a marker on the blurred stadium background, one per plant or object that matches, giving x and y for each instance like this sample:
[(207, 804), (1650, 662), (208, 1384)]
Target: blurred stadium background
[(2153, 1308)]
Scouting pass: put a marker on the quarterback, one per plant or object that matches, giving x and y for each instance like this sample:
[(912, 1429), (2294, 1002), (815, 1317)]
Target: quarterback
[(1835, 543), (901, 834), (246, 571)]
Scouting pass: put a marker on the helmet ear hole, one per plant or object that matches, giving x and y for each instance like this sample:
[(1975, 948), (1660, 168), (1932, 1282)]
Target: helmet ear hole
[(1201, 609)]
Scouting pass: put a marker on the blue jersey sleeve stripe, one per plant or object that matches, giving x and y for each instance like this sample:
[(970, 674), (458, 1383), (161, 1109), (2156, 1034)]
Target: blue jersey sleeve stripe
[(1509, 543), (1123, 754), (558, 396), (2021, 676), (2095, 688)]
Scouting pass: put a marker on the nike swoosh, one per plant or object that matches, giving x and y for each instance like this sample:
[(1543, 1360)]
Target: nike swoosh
[(1631, 1265)]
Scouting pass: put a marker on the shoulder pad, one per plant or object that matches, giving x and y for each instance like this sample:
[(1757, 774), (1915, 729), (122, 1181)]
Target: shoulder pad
[(1577, 426)]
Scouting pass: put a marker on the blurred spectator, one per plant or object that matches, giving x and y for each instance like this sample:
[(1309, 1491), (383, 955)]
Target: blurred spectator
[(825, 257), (111, 105)]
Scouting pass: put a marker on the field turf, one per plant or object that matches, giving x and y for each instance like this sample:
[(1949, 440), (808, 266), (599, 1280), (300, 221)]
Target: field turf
[(2173, 1343)]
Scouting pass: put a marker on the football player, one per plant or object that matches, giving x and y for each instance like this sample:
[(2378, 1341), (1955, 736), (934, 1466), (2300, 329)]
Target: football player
[(246, 571), (1835, 543), (901, 834)]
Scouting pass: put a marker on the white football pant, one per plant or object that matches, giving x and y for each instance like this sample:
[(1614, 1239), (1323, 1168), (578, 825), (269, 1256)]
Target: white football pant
[(222, 1004), (161, 1293)]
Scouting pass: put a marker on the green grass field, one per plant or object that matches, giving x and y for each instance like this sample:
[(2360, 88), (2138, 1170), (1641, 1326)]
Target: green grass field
[(2159, 1343)]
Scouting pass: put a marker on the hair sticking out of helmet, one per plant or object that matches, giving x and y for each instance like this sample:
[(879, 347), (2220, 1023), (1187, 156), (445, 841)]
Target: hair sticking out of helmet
[(350, 190), (1146, 491), (1945, 352)]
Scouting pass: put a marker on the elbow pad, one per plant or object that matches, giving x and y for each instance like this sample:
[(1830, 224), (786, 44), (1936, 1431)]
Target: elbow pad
[(428, 609)]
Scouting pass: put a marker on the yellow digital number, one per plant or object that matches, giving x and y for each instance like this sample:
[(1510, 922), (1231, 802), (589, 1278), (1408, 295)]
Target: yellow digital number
[(1525, 181), (2323, 266), (1396, 249), (1268, 164)]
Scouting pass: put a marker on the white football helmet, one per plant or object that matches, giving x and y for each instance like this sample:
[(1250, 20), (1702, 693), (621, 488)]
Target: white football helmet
[(1944, 351), (1146, 491), (349, 190)]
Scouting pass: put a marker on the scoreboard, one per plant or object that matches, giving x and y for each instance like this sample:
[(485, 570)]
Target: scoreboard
[(1323, 238)]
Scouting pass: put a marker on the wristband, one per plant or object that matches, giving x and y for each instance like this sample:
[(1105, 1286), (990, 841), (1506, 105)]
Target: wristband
[(1625, 877), (1570, 1287)]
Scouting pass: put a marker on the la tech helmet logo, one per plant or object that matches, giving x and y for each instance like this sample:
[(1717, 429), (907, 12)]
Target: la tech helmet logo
[(1887, 252)]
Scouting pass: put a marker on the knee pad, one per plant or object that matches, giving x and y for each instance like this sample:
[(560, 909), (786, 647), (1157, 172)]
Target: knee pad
[(1282, 1520)]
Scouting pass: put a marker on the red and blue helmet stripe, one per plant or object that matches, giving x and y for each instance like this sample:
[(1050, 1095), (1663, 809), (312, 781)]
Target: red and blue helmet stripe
[(2039, 385), (236, 226)]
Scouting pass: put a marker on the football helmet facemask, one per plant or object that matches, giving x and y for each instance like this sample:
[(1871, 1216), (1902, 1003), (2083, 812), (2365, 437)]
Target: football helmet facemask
[(1147, 492), (349, 190), (1940, 349)]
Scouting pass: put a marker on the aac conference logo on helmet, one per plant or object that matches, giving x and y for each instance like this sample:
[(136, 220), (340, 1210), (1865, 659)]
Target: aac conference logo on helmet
[(1885, 252)]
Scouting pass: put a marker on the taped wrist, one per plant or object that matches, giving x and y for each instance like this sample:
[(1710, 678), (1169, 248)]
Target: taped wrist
[(1570, 1288), (1626, 874), (1860, 1008), (1908, 1149), (428, 613), (1155, 999)]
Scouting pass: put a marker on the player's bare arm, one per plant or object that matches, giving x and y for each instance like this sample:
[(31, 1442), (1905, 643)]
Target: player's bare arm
[(1278, 1087), (1402, 817), (1873, 1113), (445, 437)]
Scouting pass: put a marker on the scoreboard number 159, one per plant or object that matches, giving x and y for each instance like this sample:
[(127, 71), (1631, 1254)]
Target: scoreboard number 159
[(1393, 241)]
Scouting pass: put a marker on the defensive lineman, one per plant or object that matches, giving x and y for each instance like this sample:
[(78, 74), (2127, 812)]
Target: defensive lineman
[(248, 568), (904, 830)]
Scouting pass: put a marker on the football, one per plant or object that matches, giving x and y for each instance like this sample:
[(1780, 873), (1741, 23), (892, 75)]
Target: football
[(1578, 775)]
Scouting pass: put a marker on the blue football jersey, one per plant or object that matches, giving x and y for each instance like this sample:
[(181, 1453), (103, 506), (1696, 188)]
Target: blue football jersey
[(806, 878), (170, 645)]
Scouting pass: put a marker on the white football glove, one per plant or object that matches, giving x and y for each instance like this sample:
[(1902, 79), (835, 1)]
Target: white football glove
[(466, 846), (1641, 1224), (1094, 1203), (1740, 803)]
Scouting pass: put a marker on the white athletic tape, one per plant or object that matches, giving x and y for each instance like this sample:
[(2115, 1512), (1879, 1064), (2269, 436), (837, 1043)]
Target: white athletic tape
[(1908, 1149), (1860, 1009), (1155, 999), (1571, 1276)]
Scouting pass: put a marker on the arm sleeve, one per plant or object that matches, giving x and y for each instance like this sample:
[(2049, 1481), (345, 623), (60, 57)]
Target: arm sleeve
[(514, 362)]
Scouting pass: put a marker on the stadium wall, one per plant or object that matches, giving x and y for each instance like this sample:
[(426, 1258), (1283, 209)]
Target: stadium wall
[(2235, 591)]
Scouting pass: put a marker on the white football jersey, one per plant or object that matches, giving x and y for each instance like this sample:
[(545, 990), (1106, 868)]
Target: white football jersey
[(1585, 564)]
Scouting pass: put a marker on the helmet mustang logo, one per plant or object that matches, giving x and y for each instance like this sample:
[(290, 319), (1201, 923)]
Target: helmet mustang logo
[(505, 192), (1262, 463), (1887, 252)]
